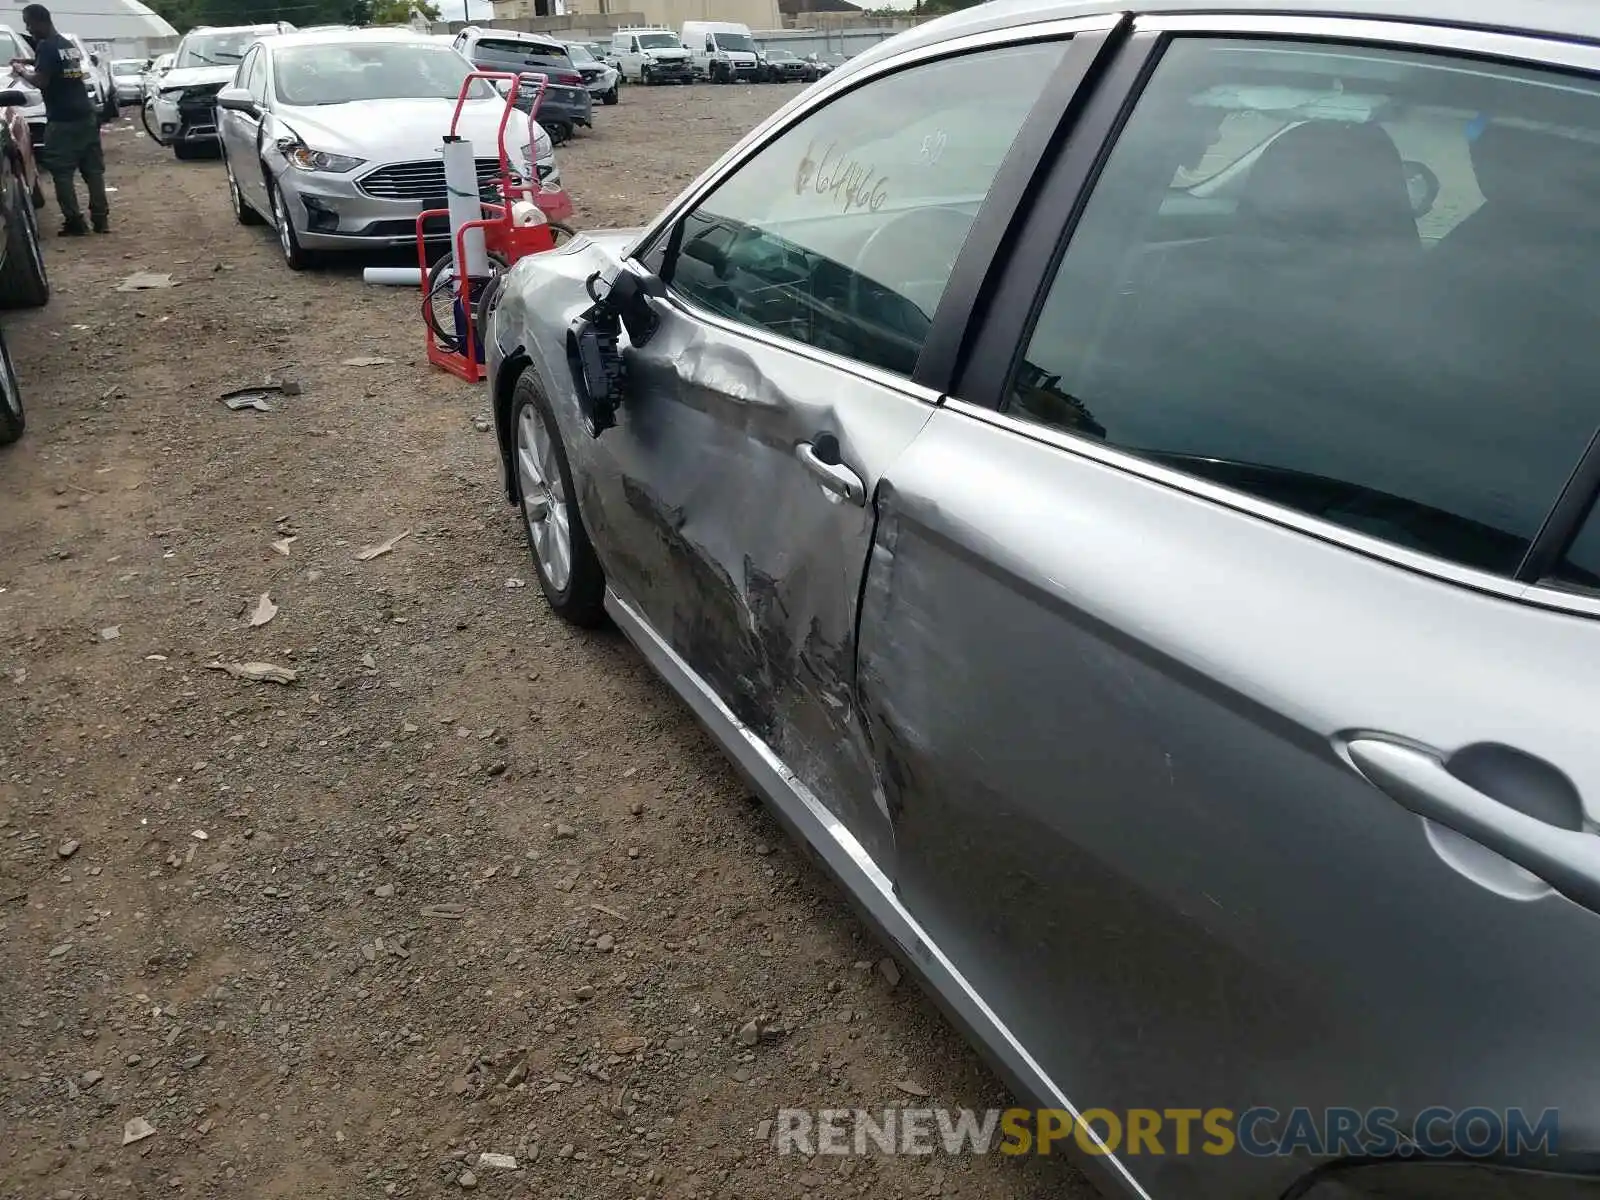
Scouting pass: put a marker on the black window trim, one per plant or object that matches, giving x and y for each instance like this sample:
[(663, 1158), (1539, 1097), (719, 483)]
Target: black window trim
[(1021, 284), (1018, 284), (1022, 172)]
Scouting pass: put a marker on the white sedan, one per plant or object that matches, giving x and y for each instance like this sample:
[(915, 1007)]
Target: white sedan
[(600, 78), (334, 138)]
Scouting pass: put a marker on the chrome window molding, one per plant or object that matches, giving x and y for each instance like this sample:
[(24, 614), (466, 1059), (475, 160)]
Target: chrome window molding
[(1580, 604), (1575, 603), (1535, 49), (826, 358), (804, 105)]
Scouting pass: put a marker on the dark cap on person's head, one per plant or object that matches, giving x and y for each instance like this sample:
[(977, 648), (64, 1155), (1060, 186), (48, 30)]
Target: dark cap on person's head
[(36, 13)]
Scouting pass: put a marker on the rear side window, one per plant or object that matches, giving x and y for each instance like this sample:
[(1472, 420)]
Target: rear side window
[(1360, 284), (843, 231), (509, 50)]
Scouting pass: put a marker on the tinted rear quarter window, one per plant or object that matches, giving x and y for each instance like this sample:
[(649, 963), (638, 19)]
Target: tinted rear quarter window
[(1358, 283), (504, 50)]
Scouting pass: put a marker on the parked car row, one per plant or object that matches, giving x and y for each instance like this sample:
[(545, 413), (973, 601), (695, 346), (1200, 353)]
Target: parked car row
[(569, 93), (332, 137), (179, 102), (24, 280), (716, 51), (99, 82)]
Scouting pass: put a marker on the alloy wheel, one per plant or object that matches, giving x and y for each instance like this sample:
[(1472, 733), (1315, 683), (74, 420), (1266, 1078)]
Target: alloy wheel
[(10, 393), (30, 219), (544, 501), (280, 217)]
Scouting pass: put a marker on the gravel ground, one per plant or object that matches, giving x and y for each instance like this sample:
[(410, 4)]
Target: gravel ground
[(473, 882)]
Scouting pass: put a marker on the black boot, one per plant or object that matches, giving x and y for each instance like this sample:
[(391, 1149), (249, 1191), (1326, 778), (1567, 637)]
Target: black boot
[(74, 227), (102, 224)]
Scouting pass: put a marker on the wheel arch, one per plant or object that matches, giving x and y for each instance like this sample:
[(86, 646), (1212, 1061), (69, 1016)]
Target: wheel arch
[(505, 387)]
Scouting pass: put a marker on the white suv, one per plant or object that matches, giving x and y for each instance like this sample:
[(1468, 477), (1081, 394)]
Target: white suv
[(181, 109), (651, 56)]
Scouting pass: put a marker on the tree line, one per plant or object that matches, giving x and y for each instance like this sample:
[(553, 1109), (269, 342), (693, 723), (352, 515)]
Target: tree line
[(183, 15)]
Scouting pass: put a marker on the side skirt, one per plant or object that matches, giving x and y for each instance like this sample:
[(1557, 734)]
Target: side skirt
[(865, 882)]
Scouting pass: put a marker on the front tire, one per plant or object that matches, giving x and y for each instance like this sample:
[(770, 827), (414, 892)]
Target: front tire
[(24, 283), (569, 572), (610, 97), (295, 257), (12, 419), (186, 152), (242, 212)]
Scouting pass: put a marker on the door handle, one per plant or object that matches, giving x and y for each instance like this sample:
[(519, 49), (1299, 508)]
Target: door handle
[(1564, 855), (835, 477)]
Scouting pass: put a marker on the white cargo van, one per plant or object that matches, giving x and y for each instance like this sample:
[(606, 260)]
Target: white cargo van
[(650, 56), (723, 51)]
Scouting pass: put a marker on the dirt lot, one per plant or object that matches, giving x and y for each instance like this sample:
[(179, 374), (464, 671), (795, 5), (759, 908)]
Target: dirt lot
[(474, 882)]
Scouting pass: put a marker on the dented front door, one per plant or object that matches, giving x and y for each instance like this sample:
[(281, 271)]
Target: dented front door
[(738, 518), (800, 291)]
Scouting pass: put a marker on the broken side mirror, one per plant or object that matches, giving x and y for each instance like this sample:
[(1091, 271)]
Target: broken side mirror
[(630, 297), (594, 352)]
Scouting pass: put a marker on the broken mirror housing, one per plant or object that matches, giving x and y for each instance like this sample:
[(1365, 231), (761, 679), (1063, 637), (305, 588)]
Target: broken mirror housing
[(594, 350)]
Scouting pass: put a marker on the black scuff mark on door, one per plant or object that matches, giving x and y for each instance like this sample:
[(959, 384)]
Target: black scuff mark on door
[(824, 671), (875, 616), (617, 554), (703, 619)]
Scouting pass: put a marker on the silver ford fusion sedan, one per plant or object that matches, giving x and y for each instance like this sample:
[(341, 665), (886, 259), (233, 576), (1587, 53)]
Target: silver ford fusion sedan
[(334, 138), (1135, 521)]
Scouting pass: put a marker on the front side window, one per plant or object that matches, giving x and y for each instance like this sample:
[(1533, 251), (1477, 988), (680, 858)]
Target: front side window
[(257, 81), (842, 232), (1354, 282), (244, 76), (521, 54)]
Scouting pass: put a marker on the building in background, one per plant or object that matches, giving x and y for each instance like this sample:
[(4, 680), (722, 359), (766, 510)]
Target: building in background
[(460, 13), (799, 10), (113, 28)]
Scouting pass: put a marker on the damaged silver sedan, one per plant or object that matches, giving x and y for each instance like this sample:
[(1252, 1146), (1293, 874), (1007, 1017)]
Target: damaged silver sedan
[(1132, 520)]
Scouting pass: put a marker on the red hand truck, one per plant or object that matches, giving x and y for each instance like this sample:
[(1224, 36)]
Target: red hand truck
[(503, 239)]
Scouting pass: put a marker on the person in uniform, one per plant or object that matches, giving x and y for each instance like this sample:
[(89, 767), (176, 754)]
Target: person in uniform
[(72, 127)]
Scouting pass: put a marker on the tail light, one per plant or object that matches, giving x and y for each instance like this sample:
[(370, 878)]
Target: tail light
[(570, 80)]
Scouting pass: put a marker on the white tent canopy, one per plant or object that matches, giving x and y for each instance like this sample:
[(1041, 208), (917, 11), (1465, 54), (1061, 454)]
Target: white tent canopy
[(473, 12), (96, 20)]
